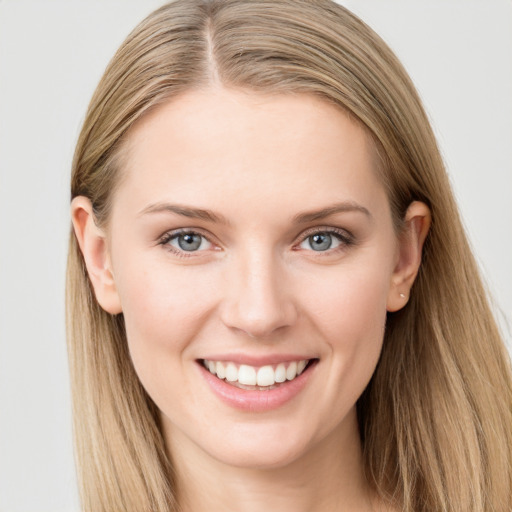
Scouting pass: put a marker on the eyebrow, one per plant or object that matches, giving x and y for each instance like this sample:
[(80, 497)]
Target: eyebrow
[(347, 206), (185, 211), (208, 215)]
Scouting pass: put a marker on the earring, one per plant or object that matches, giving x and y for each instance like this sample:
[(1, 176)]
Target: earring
[(402, 295)]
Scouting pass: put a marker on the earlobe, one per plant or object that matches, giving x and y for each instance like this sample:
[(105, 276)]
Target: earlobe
[(93, 244), (410, 245)]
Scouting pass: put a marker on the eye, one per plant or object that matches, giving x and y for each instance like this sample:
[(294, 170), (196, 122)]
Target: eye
[(186, 241), (325, 240)]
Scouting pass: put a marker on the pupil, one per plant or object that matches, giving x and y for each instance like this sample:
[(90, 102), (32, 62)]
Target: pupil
[(189, 242), (321, 241)]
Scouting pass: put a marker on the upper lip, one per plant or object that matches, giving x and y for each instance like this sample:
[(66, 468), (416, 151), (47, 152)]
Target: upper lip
[(258, 360)]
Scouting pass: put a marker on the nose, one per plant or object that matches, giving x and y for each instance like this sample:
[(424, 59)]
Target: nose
[(258, 300)]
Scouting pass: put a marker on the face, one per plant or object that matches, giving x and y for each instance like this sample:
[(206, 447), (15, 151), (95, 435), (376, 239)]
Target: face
[(254, 259)]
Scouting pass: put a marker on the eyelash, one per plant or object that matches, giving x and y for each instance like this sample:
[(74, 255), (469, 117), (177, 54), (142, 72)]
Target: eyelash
[(345, 238)]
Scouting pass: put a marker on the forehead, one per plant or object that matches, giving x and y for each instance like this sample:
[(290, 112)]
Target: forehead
[(217, 145)]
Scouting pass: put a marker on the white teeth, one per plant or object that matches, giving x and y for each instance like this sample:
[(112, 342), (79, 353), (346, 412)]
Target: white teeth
[(231, 373), (247, 375), (280, 373), (291, 371), (221, 370), (263, 377)]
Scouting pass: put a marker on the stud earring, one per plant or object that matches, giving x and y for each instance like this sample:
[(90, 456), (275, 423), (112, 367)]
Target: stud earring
[(402, 295)]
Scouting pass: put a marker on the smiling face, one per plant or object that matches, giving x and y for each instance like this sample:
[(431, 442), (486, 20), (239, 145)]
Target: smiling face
[(254, 259)]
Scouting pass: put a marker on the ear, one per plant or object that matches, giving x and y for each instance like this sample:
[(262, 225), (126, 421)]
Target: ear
[(410, 245), (93, 244)]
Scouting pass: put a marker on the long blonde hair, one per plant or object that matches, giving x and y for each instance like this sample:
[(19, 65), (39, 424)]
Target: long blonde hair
[(436, 418)]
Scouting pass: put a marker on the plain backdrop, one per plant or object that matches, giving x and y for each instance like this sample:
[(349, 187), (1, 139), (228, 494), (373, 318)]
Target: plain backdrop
[(52, 54)]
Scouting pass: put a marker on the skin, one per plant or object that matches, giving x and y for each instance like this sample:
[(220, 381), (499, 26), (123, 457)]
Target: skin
[(256, 286)]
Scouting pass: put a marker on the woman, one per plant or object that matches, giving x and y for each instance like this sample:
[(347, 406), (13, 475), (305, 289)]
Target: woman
[(271, 299)]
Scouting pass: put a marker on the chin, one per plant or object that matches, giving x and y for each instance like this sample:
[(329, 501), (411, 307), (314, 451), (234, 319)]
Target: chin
[(260, 450), (259, 459)]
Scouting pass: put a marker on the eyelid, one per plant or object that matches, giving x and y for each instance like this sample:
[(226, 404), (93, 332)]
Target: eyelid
[(342, 233)]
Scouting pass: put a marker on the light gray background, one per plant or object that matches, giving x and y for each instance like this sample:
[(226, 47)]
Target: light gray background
[(53, 52)]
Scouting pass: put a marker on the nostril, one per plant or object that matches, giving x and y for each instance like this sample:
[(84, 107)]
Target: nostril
[(257, 301), (256, 321)]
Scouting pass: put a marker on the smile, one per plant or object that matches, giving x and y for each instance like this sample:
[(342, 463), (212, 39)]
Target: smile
[(257, 385), (256, 378)]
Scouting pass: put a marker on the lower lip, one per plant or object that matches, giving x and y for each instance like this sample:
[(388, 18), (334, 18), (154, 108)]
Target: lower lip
[(254, 400)]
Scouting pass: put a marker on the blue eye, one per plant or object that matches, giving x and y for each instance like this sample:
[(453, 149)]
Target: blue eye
[(320, 241), (323, 241), (186, 241)]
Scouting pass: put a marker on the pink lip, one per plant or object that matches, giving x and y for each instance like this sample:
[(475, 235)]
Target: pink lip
[(257, 401)]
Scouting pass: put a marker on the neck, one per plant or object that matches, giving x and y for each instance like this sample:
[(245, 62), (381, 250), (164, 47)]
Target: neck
[(326, 478)]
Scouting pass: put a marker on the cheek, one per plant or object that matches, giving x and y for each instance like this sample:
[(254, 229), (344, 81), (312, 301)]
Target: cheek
[(350, 301), (164, 309), (161, 297), (349, 313)]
